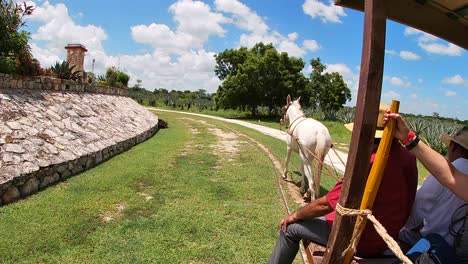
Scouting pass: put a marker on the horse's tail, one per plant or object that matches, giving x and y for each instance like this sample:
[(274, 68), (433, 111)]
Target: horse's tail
[(321, 152)]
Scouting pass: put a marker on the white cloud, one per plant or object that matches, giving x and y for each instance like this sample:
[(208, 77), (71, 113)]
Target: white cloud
[(178, 61), (291, 48), (450, 93), (195, 23), (389, 96), (311, 45), (293, 36), (408, 55), (413, 96), (326, 13), (44, 56), (449, 49), (412, 31), (391, 52), (420, 80), (456, 79), (258, 31), (431, 44), (196, 19), (163, 38), (59, 29), (398, 82), (243, 16)]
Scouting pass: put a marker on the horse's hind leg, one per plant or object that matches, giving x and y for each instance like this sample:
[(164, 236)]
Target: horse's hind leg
[(307, 178), (288, 156), (318, 174)]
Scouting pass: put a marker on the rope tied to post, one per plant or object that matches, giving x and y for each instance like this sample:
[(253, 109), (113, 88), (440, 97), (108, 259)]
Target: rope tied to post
[(391, 243)]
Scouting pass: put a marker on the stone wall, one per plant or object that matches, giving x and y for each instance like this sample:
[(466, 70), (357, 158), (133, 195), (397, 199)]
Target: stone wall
[(8, 81), (48, 136)]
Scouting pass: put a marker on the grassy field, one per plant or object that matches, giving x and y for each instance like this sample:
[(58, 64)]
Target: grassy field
[(177, 198), (197, 192)]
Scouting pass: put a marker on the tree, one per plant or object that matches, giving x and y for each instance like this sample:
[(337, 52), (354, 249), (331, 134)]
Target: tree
[(258, 77), (15, 52), (328, 90), (228, 61), (115, 77)]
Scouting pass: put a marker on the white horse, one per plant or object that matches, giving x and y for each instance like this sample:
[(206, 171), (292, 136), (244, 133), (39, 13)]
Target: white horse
[(311, 139)]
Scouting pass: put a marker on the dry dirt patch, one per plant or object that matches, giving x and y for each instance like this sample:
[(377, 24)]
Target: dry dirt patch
[(228, 143), (111, 215)]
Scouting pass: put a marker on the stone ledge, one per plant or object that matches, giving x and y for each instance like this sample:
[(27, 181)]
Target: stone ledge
[(46, 137), (45, 83)]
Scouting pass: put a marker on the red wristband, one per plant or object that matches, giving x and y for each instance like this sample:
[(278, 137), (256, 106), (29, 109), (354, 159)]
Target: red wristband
[(409, 138)]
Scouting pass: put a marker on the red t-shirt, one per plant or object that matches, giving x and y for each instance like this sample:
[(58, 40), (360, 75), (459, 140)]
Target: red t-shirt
[(393, 203)]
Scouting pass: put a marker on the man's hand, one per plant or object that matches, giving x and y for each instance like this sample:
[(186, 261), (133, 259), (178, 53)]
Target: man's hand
[(289, 219), (401, 128)]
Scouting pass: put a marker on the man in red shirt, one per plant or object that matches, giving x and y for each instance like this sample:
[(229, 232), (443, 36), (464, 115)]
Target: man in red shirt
[(392, 207)]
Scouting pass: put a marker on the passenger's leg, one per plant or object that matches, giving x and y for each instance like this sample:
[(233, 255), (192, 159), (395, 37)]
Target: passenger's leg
[(315, 230)]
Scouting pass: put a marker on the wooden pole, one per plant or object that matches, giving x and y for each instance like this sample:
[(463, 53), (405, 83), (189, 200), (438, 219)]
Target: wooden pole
[(375, 178), (370, 86)]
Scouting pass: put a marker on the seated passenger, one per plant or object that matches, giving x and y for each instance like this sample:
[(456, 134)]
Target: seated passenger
[(392, 207), (435, 205)]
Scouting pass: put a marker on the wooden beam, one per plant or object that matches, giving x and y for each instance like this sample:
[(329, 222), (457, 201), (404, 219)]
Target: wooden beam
[(421, 16), (357, 169)]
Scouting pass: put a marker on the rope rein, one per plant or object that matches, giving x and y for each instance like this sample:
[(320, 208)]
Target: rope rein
[(367, 214)]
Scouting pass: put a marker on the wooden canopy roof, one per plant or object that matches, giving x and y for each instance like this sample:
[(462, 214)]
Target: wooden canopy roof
[(446, 19)]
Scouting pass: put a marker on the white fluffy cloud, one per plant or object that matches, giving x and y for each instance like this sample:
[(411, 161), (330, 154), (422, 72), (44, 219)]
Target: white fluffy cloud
[(326, 13), (431, 44), (178, 61), (397, 81), (58, 30), (437, 48), (311, 45), (387, 97), (456, 79), (243, 16), (450, 93), (195, 23), (258, 31), (408, 55)]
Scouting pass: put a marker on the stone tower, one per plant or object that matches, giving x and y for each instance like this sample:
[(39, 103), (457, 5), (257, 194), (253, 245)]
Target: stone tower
[(75, 56)]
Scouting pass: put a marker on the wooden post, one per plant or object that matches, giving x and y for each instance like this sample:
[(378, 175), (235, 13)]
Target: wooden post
[(375, 178), (357, 169)]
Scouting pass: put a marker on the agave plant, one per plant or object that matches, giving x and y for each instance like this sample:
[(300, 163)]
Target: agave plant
[(64, 71), (430, 130), (347, 114)]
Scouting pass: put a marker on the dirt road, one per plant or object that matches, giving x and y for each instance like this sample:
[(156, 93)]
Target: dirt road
[(331, 159)]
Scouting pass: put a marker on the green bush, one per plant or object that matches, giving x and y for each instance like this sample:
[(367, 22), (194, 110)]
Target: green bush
[(115, 77)]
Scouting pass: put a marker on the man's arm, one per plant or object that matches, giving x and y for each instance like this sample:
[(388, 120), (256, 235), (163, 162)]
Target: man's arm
[(316, 208), (435, 163)]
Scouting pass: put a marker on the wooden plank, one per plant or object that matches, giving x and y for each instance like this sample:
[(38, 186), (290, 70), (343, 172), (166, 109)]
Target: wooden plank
[(423, 17), (357, 169), (309, 251)]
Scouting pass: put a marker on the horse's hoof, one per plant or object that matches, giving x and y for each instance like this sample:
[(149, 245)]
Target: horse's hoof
[(299, 184)]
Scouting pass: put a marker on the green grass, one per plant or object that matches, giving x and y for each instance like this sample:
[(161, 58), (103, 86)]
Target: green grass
[(202, 210)]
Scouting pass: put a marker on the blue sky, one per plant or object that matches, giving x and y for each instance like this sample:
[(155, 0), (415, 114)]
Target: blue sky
[(171, 44)]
